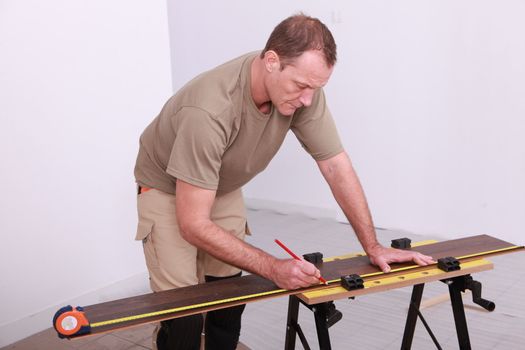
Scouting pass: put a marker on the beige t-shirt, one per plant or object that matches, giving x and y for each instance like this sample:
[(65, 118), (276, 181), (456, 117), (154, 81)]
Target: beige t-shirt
[(211, 135)]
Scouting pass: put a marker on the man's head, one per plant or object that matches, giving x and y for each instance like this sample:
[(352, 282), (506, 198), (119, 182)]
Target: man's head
[(298, 34), (298, 58)]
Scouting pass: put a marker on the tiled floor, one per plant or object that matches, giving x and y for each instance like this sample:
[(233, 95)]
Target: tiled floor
[(374, 321), (138, 338)]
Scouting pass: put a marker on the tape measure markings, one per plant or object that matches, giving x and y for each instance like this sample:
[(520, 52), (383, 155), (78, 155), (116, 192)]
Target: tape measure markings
[(184, 308)]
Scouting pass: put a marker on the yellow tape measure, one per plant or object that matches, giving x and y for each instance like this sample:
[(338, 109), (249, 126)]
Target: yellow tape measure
[(184, 308)]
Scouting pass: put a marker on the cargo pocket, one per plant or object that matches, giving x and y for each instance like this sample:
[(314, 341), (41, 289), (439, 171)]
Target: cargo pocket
[(144, 228), (144, 234)]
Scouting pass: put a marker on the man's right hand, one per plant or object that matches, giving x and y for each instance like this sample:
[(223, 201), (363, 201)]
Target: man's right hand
[(293, 274)]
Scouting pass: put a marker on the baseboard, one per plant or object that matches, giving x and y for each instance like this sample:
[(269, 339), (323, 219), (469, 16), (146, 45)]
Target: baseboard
[(26, 326)]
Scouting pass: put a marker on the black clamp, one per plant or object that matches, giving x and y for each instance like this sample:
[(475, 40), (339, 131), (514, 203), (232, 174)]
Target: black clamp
[(332, 314), (467, 282), (352, 282), (314, 258), (449, 264), (401, 243), (475, 287)]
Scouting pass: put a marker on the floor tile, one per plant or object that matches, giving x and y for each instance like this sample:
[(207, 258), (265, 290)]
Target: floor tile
[(108, 342)]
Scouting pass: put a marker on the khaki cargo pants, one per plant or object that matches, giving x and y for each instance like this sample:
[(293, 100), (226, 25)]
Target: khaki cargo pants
[(172, 262)]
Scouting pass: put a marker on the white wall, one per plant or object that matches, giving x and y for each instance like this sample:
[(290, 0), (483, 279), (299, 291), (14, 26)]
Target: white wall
[(79, 82), (436, 118), (427, 95)]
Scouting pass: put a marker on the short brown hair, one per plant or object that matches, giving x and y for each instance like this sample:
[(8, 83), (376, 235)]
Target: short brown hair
[(300, 33)]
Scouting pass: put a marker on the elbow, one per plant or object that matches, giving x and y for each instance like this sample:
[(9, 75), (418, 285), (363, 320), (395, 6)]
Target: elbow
[(335, 167), (185, 230), (192, 231)]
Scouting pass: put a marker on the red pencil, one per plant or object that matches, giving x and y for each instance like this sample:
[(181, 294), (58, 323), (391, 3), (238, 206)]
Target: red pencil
[(292, 254)]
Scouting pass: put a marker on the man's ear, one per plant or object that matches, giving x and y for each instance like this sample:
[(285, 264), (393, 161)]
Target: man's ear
[(271, 61)]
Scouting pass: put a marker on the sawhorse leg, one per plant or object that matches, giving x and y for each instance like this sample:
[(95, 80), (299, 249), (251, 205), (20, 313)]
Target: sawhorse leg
[(410, 325), (455, 287), (292, 326), (324, 315), (413, 313), (321, 315)]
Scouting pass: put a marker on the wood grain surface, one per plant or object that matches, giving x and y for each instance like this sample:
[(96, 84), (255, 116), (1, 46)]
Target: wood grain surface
[(252, 286)]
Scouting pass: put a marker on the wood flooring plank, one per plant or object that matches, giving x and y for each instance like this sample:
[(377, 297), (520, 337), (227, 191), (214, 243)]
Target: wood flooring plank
[(224, 293)]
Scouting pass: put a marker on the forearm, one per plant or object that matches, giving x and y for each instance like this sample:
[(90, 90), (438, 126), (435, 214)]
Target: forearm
[(348, 192), (224, 246)]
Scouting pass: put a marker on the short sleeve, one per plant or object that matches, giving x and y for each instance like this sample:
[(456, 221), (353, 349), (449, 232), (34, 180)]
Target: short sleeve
[(197, 151), (315, 129)]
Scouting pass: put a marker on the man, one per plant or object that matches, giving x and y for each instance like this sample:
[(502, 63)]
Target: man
[(211, 138)]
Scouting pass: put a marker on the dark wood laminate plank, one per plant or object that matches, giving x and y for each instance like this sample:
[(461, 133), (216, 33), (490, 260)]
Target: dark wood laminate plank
[(456, 248), (221, 291)]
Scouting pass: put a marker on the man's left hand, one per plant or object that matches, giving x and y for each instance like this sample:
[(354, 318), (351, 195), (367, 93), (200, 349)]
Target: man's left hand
[(382, 257)]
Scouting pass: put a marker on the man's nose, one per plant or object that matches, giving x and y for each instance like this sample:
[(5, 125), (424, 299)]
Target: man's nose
[(306, 97)]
